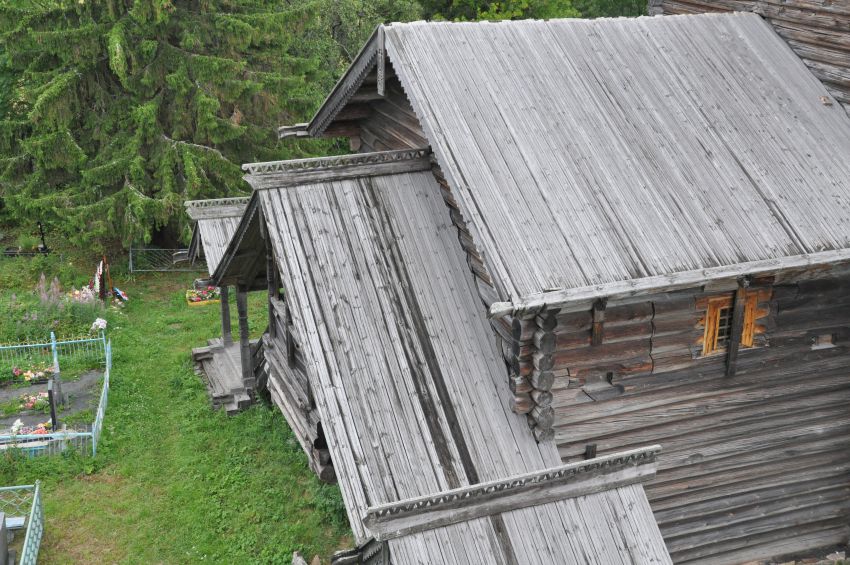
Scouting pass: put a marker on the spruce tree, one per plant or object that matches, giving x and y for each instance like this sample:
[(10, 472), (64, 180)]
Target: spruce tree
[(467, 10), (122, 109)]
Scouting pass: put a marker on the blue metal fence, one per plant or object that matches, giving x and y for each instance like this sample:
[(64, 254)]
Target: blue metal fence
[(84, 441), (97, 428), (35, 529), (23, 509), (87, 350)]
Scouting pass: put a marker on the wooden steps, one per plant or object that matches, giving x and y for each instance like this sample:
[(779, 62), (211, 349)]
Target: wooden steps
[(220, 367)]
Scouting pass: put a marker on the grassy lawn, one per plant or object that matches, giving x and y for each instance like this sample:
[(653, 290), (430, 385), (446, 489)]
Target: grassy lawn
[(173, 482)]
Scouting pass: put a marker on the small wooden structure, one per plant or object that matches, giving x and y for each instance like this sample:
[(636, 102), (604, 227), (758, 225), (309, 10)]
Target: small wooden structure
[(655, 214), (378, 348), (220, 361)]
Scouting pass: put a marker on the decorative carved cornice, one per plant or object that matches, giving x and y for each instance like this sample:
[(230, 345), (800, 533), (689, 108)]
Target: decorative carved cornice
[(559, 473), (335, 162), (278, 174), (213, 202), (216, 208), (396, 519)]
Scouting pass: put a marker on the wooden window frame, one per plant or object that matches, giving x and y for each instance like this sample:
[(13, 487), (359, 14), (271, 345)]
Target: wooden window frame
[(713, 316)]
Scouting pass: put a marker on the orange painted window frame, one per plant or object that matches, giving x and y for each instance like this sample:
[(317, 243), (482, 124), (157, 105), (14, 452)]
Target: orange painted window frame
[(712, 321)]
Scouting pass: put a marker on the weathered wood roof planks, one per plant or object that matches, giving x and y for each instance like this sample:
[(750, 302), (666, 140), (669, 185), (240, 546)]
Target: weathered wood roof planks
[(408, 379), (216, 221), (817, 30), (587, 153)]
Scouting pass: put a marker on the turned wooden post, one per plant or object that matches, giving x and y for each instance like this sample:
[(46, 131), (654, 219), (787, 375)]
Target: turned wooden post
[(226, 333), (244, 342)]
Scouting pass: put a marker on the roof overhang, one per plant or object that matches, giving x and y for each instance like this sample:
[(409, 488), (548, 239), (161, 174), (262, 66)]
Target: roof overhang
[(579, 298), (244, 261), (371, 57)]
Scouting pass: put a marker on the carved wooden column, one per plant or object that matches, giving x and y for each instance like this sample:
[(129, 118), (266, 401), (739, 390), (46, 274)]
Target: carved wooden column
[(226, 333), (244, 342)]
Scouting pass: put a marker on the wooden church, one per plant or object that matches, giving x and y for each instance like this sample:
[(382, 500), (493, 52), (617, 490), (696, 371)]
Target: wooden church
[(558, 245)]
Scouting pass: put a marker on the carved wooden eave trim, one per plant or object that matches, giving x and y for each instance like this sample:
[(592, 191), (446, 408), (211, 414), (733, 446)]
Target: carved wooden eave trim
[(280, 174), (366, 60), (572, 299), (215, 208), (396, 519)]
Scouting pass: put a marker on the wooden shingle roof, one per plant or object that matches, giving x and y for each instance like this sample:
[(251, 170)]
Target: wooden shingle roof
[(411, 385), (817, 30), (216, 221), (592, 156), (591, 152)]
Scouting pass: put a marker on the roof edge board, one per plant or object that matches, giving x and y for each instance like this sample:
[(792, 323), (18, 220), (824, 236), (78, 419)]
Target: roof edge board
[(561, 298), (221, 275), (363, 63), (414, 515), (280, 174)]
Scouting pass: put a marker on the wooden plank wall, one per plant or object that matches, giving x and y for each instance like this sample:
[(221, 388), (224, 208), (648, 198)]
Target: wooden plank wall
[(754, 465), (817, 30)]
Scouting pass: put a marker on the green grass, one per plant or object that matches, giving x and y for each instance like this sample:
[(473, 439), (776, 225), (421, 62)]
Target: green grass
[(173, 482)]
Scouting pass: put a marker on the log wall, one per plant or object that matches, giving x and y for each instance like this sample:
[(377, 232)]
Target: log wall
[(289, 389), (754, 465), (391, 123), (817, 30)]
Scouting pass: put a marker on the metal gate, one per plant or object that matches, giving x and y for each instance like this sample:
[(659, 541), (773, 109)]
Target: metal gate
[(164, 260)]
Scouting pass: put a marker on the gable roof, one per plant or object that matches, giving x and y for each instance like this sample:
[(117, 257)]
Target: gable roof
[(589, 155), (411, 385), (215, 222)]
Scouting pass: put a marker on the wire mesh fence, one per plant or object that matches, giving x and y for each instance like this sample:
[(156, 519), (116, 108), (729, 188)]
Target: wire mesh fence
[(164, 260), (86, 352)]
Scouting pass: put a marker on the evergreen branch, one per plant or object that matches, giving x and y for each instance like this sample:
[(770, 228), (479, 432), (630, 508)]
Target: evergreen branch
[(175, 142)]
